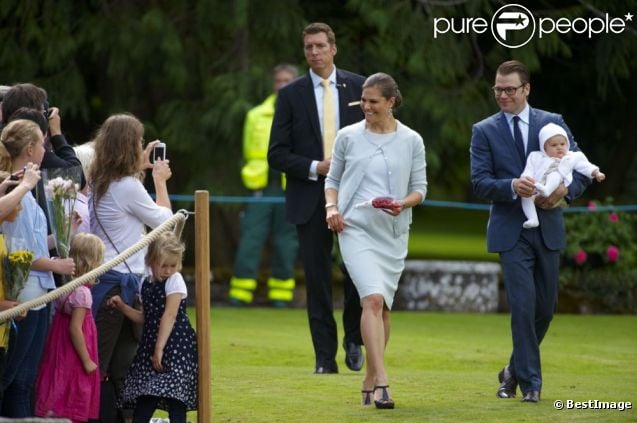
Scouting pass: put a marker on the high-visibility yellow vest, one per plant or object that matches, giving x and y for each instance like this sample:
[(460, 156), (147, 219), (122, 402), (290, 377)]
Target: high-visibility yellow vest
[(256, 138)]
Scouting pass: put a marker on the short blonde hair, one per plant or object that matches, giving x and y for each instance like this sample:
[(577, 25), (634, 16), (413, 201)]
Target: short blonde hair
[(317, 28), (87, 251), (166, 246)]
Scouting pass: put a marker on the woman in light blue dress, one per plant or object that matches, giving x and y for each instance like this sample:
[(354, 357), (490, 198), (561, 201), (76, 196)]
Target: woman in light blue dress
[(377, 157)]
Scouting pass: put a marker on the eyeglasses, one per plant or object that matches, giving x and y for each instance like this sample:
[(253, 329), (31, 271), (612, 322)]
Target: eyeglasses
[(508, 90)]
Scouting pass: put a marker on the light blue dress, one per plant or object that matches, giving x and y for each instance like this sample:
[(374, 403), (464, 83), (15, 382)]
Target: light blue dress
[(364, 166), (374, 257), (29, 232)]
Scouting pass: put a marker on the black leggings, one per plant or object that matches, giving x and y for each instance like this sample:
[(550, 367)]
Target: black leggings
[(147, 405)]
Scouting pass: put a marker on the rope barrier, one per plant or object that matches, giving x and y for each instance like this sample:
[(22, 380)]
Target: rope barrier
[(229, 199), (177, 220)]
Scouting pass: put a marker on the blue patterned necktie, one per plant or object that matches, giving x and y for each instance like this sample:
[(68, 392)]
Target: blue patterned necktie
[(517, 137)]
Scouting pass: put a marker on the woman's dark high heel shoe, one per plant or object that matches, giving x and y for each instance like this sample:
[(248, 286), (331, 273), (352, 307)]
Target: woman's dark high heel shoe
[(367, 396), (384, 402)]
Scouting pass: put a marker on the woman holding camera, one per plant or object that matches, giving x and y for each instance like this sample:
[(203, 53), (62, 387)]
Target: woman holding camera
[(120, 208)]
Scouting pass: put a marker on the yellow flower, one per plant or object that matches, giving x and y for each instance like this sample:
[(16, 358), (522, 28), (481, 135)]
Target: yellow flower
[(17, 265)]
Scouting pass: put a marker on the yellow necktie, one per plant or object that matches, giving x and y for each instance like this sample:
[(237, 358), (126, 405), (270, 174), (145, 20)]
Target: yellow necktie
[(329, 119)]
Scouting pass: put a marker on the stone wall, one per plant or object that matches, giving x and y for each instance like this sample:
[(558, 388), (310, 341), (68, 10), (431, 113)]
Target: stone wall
[(437, 285), (433, 285)]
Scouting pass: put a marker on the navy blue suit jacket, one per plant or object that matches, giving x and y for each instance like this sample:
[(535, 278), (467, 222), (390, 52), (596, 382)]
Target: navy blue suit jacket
[(495, 162), (296, 140)]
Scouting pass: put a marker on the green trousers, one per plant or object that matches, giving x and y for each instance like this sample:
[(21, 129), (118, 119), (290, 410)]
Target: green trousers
[(259, 221)]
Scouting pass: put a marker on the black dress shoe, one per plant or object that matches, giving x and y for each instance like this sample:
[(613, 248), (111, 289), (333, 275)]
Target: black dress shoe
[(508, 384), (531, 396), (326, 369), (353, 356)]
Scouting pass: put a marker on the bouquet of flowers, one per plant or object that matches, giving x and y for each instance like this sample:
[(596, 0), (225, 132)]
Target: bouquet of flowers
[(383, 203), (61, 187), (16, 266)]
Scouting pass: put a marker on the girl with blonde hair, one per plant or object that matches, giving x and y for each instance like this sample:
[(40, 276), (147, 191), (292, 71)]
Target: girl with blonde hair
[(68, 383), (164, 371), (21, 150)]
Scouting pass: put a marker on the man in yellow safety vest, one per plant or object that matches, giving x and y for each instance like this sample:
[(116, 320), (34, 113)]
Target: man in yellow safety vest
[(262, 219)]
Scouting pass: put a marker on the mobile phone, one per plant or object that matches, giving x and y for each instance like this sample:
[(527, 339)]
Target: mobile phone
[(159, 152), (18, 175), (14, 177)]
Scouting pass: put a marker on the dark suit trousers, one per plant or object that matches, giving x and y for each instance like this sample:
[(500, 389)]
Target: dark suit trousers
[(316, 242), (531, 274)]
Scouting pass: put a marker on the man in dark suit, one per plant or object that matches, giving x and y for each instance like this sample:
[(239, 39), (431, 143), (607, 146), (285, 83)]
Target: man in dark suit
[(297, 148), (530, 258)]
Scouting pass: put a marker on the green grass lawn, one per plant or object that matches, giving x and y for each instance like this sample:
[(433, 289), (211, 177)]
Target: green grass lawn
[(449, 234), (442, 367)]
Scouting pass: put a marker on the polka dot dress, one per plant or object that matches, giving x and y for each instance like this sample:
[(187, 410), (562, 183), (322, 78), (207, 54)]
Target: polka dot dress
[(179, 380)]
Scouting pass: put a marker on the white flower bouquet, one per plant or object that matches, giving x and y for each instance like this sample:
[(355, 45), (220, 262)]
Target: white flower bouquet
[(61, 187)]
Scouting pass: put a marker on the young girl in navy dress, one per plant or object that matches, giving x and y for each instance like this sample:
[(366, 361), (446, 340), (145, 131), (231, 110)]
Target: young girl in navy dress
[(68, 383), (164, 371)]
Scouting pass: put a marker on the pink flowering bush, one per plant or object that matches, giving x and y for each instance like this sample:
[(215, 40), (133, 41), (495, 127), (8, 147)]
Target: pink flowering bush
[(612, 254), (600, 259), (580, 257), (600, 237)]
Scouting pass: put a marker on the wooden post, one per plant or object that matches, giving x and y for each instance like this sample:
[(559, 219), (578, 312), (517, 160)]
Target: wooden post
[(202, 283)]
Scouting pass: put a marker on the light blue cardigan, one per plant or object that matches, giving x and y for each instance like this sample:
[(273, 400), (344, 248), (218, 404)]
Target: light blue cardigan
[(353, 152)]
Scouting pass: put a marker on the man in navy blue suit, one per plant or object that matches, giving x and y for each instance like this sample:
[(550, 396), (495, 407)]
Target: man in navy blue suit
[(297, 149), (530, 258)]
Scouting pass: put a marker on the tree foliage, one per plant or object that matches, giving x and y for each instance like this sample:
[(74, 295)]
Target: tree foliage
[(191, 69)]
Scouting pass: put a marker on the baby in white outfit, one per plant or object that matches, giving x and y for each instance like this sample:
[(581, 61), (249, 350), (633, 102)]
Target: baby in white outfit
[(551, 166)]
